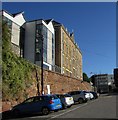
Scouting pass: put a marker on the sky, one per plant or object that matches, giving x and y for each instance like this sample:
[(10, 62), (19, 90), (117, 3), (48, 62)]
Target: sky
[(93, 23)]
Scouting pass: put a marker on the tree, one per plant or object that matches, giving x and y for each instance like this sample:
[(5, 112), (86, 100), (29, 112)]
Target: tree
[(85, 78)]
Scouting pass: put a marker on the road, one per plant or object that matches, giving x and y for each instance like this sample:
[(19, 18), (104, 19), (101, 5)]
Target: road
[(103, 107)]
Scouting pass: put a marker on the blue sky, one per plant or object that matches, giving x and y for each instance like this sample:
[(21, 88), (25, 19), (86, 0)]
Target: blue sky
[(94, 26)]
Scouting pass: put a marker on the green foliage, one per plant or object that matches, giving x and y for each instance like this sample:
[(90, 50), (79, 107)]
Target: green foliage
[(85, 78), (16, 72)]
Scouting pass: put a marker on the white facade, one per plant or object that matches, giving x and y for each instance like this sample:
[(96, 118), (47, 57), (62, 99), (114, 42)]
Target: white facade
[(18, 19), (30, 42), (16, 22)]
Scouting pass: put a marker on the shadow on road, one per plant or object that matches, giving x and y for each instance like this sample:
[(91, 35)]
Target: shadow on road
[(9, 115), (109, 94)]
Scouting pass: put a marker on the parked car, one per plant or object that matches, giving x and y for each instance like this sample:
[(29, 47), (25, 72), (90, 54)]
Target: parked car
[(88, 95), (38, 104), (91, 96), (66, 100), (95, 95), (78, 96)]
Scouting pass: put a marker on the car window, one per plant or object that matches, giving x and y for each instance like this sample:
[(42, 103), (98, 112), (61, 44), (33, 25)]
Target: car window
[(36, 99), (55, 97), (52, 97), (72, 93), (58, 96), (67, 95), (29, 100)]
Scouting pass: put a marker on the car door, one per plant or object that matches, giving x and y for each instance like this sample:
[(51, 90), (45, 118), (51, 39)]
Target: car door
[(74, 95), (37, 104), (26, 106)]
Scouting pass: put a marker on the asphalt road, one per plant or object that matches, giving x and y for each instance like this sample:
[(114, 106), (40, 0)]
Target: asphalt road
[(103, 107)]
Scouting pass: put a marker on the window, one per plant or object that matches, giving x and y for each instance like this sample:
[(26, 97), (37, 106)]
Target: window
[(37, 99), (9, 22), (38, 57), (45, 67), (29, 100)]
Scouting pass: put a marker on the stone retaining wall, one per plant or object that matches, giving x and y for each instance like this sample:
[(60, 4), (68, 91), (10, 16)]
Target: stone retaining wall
[(58, 84)]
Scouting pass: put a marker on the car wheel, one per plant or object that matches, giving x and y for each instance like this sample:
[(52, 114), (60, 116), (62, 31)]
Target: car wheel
[(16, 112), (80, 100), (45, 111)]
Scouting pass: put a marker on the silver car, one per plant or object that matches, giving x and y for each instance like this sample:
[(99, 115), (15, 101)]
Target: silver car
[(78, 96)]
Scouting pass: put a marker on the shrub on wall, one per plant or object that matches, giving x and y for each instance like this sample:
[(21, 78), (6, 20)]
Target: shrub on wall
[(16, 72)]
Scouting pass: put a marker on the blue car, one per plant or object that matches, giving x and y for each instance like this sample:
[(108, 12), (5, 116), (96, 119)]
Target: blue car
[(38, 104)]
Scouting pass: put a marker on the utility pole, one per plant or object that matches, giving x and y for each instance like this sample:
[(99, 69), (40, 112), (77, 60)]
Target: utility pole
[(42, 86), (38, 92)]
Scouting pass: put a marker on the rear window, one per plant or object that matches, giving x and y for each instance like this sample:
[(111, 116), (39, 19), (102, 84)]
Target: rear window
[(52, 97)]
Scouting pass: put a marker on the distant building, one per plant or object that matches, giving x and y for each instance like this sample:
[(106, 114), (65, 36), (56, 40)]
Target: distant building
[(15, 23), (103, 82), (69, 56), (116, 77)]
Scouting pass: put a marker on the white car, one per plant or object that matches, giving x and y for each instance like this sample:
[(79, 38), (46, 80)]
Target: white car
[(91, 95), (87, 95), (66, 100)]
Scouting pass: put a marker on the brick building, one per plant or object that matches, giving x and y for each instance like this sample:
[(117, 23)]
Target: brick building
[(69, 57)]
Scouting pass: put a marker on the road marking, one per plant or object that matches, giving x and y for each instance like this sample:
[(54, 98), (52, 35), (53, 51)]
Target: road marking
[(67, 112)]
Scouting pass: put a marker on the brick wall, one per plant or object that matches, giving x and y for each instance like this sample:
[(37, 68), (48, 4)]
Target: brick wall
[(63, 84)]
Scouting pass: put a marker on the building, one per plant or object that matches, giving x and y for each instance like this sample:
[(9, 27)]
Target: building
[(111, 82), (38, 34), (116, 77), (103, 82), (45, 39), (69, 57), (15, 23)]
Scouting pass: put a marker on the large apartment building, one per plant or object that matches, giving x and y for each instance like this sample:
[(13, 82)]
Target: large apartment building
[(69, 57), (30, 38)]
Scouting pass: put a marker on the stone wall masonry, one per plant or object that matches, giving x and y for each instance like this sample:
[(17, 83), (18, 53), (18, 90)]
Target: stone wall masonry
[(62, 84), (58, 84)]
